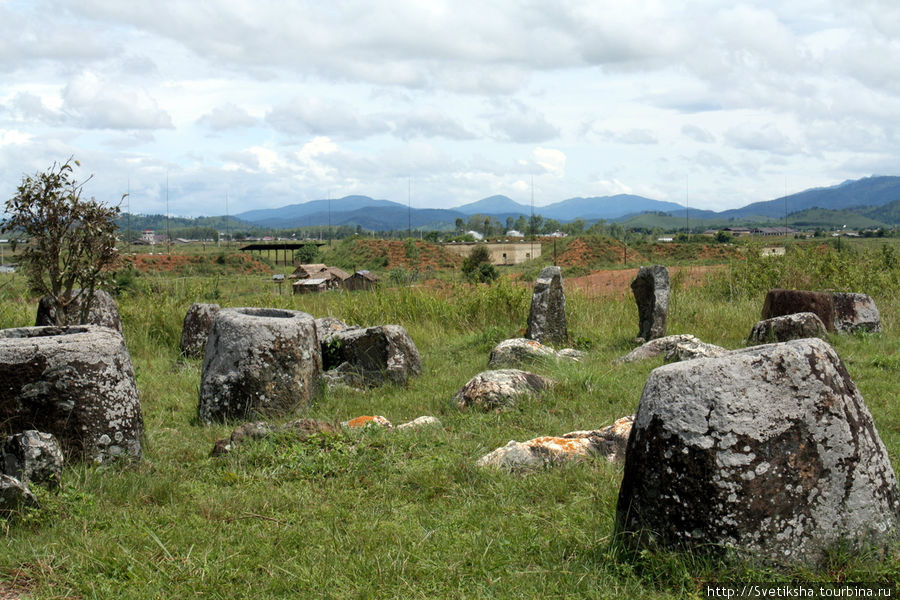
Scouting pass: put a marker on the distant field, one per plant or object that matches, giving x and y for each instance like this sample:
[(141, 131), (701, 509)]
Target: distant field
[(380, 514)]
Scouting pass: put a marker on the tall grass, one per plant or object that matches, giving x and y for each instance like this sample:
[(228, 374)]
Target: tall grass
[(381, 514)]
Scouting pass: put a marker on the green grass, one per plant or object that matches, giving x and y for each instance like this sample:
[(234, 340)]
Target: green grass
[(381, 514)]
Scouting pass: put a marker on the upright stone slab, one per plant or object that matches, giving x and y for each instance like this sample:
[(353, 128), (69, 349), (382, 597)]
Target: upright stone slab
[(259, 362), (651, 292), (855, 312), (74, 382), (104, 312), (197, 323), (547, 317), (768, 450), (781, 302)]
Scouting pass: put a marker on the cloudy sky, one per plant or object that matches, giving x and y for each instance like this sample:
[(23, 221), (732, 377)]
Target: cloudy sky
[(275, 102)]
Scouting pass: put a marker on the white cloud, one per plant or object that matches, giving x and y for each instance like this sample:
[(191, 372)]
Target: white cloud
[(698, 134), (765, 138), (324, 117), (554, 161), (227, 116), (513, 121), (97, 104)]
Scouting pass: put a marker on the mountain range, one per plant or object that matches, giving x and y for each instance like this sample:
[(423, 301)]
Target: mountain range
[(865, 196)]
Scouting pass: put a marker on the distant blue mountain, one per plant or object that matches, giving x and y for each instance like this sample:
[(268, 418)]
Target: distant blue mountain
[(494, 205), (384, 215), (603, 207), (296, 213), (869, 191)]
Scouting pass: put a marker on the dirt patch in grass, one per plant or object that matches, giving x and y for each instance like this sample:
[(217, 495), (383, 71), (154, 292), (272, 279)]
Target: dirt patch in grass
[(582, 251), (618, 282)]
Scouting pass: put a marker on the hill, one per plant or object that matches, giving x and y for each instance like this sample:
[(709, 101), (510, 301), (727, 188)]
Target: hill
[(827, 218), (869, 191), (301, 215), (887, 213), (384, 215)]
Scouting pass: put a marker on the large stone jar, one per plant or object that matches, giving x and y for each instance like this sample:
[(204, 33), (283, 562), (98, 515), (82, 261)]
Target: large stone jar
[(74, 382), (259, 362)]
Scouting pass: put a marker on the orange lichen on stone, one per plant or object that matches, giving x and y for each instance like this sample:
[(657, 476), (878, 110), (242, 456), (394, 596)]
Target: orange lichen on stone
[(577, 446), (365, 420)]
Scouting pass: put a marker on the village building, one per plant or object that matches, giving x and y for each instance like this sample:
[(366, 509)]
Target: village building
[(507, 253), (311, 285), (361, 280)]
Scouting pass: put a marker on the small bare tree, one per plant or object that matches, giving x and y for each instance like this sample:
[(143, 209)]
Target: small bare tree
[(71, 242)]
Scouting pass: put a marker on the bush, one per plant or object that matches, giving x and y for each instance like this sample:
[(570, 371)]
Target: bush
[(477, 267)]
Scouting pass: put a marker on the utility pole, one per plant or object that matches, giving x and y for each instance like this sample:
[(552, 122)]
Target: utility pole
[(168, 239), (409, 205)]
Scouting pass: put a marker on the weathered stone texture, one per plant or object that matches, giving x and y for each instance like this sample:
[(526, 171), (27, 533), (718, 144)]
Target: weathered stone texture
[(788, 327), (522, 351), (682, 346), (608, 442), (376, 355), (780, 302), (494, 390), (247, 432), (768, 450), (420, 423), (547, 317), (259, 361), (76, 383), (855, 312), (14, 496), (651, 293), (32, 457), (197, 323), (103, 312)]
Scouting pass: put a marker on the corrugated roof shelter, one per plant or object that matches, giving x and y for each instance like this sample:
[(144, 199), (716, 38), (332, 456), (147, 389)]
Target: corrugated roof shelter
[(310, 285), (361, 280), (307, 271)]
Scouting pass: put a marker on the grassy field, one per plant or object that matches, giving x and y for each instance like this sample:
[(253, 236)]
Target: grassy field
[(382, 514)]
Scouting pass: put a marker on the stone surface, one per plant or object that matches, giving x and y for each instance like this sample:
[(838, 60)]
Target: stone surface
[(547, 317), (378, 355), (420, 423), (74, 382), (768, 450), (32, 457), (103, 312), (659, 347), (326, 326), (691, 349), (259, 361), (522, 351), (494, 390), (14, 496), (787, 302), (787, 327), (197, 323), (608, 442), (368, 421), (855, 312), (570, 354), (303, 428), (651, 293)]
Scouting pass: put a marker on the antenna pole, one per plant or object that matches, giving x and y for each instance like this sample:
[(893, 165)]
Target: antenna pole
[(687, 204), (532, 217), (128, 208), (409, 205), (167, 212)]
